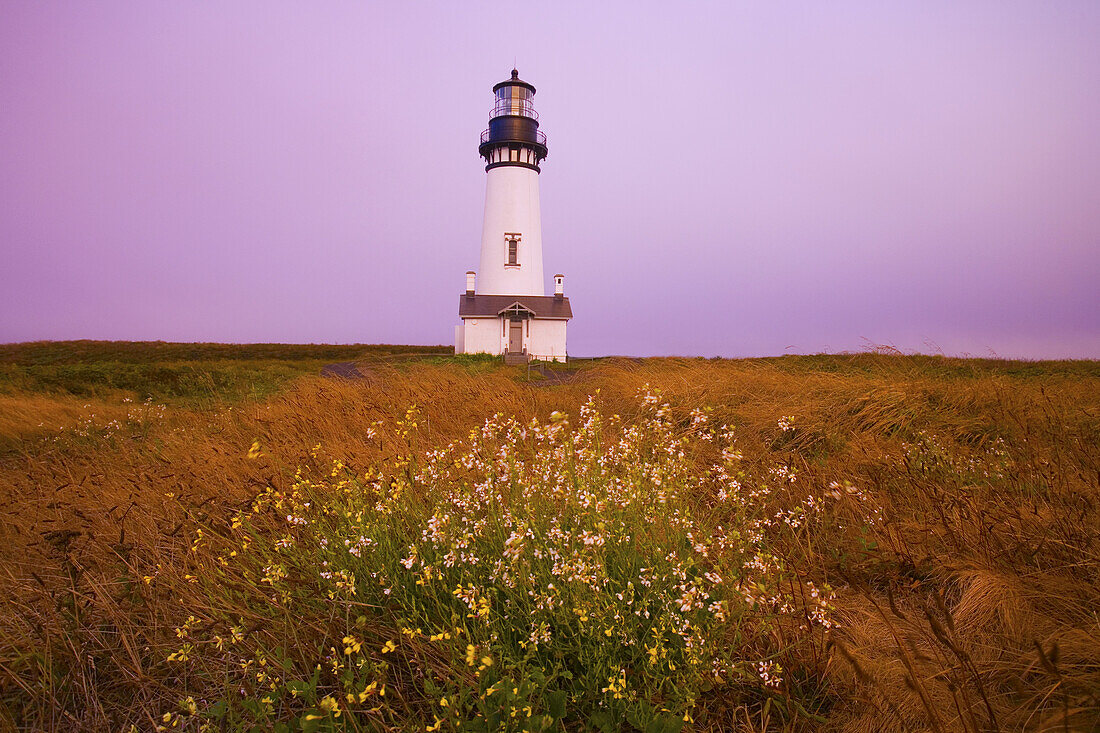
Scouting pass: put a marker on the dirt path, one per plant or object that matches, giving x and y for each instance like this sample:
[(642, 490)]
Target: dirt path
[(342, 370), (548, 377)]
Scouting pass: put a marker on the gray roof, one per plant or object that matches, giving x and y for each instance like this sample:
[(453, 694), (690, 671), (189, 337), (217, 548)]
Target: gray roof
[(491, 306)]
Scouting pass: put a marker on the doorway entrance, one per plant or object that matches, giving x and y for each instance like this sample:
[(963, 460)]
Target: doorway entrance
[(515, 336)]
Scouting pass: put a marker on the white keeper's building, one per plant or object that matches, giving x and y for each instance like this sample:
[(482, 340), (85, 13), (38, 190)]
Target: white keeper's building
[(505, 309)]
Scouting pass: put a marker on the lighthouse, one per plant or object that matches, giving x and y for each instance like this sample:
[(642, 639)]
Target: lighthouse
[(505, 309)]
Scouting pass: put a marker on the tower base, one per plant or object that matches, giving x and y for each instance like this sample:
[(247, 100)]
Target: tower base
[(531, 327)]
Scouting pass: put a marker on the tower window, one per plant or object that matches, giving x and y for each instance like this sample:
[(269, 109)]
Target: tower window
[(513, 248)]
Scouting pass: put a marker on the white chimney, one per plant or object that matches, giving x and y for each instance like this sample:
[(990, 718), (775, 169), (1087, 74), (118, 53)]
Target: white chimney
[(470, 282), (559, 287)]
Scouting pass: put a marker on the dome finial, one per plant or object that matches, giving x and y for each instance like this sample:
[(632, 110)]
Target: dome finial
[(515, 73)]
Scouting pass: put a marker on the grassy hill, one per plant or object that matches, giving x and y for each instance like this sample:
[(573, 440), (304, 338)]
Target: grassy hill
[(843, 542)]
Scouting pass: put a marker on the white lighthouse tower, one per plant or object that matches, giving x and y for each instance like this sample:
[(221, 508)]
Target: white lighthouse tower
[(509, 312)]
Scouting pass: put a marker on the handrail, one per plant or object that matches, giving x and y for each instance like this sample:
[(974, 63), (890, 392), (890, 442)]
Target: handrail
[(540, 137)]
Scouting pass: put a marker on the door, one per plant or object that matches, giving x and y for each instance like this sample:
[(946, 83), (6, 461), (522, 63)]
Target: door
[(515, 337)]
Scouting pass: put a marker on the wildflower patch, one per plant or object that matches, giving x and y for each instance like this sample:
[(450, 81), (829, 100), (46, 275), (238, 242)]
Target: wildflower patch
[(531, 575)]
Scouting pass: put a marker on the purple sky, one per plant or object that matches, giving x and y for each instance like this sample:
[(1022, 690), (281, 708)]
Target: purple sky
[(722, 180)]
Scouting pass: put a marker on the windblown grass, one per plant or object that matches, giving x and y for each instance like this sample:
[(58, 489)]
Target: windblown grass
[(952, 505)]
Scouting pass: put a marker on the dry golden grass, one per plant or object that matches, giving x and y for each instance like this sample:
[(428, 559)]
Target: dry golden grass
[(30, 417), (973, 605)]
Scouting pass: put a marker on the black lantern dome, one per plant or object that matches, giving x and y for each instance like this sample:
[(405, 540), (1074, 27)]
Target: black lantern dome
[(513, 137)]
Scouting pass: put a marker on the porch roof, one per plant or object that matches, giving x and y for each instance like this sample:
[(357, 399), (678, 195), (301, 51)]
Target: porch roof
[(492, 306)]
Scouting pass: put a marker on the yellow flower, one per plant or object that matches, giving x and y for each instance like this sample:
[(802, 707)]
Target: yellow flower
[(255, 452), (329, 705), (471, 655), (388, 647), (368, 690), (616, 685), (352, 645), (435, 726)]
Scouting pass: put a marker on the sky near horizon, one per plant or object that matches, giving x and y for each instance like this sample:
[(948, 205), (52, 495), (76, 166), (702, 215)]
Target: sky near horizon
[(724, 179)]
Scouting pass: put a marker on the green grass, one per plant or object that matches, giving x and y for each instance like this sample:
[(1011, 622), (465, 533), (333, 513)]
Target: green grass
[(41, 353), (180, 373), (209, 373)]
